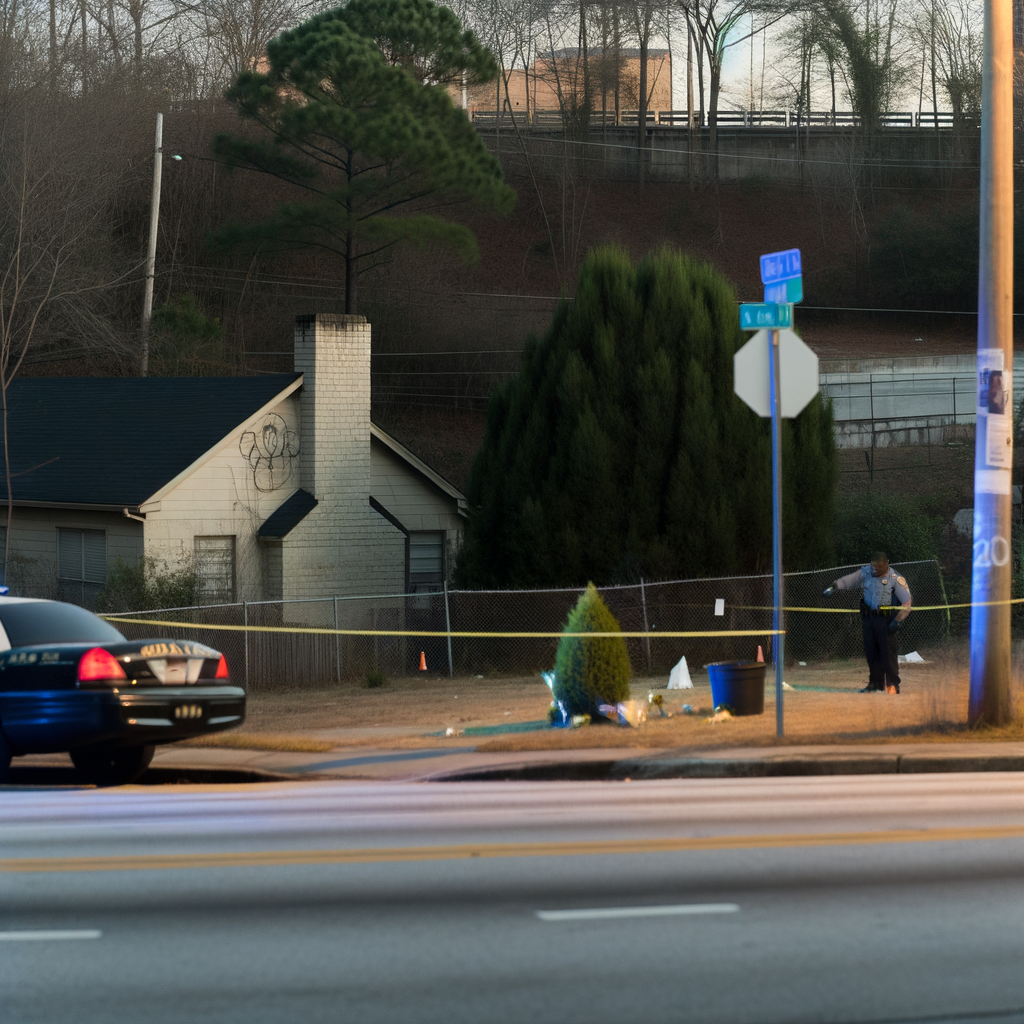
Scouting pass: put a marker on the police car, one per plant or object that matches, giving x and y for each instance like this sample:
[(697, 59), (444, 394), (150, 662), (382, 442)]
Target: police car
[(71, 682)]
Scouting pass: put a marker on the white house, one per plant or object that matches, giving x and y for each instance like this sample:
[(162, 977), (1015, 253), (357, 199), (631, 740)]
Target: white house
[(277, 486)]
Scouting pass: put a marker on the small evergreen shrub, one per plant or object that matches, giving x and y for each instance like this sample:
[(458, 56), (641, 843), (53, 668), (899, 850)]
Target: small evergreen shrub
[(375, 679), (591, 672)]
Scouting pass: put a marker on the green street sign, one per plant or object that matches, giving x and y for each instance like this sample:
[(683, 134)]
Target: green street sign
[(754, 316), (785, 291)]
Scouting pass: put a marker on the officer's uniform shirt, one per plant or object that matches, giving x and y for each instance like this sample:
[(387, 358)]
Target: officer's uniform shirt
[(878, 590)]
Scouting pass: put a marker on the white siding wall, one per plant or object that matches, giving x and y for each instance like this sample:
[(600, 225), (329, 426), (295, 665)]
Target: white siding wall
[(416, 504), (221, 498)]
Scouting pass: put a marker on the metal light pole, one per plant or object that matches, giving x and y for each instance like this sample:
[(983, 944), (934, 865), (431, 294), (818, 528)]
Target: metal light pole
[(154, 220), (993, 447), (778, 617)]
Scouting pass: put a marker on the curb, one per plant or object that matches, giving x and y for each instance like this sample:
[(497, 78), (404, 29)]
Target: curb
[(45, 775), (708, 768)]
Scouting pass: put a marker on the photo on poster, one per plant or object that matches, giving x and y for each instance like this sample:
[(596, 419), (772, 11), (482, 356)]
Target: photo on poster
[(991, 385)]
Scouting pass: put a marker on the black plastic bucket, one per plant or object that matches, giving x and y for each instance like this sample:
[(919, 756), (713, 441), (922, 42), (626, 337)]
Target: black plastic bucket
[(738, 686)]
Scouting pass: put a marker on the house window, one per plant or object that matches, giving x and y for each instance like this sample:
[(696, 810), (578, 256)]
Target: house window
[(214, 559), (426, 562), (81, 565)]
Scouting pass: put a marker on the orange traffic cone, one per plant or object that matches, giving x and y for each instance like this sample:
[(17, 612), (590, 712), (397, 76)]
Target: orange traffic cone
[(760, 653), (423, 661)]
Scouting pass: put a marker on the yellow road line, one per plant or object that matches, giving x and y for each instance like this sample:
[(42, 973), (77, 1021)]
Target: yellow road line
[(554, 635), (473, 851)]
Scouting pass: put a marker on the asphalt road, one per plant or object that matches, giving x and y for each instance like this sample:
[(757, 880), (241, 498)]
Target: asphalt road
[(843, 899)]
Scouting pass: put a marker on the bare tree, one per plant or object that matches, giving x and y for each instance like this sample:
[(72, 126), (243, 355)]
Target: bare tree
[(957, 44), (238, 30), (51, 220), (716, 26)]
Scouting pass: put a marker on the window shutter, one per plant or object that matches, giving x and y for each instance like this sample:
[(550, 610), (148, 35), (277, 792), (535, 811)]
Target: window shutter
[(69, 554), (426, 559), (94, 556)]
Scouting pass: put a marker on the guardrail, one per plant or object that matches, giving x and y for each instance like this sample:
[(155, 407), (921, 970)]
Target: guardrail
[(726, 118)]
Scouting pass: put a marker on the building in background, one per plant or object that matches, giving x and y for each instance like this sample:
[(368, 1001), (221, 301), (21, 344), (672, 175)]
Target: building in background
[(560, 81)]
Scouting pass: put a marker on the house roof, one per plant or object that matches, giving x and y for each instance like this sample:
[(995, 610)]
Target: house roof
[(112, 442), (288, 515)]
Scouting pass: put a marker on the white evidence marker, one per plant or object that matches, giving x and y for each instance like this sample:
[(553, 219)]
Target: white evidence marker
[(617, 913), (50, 936)]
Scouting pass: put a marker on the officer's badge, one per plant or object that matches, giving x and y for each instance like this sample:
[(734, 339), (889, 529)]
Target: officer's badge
[(901, 581), (885, 581)]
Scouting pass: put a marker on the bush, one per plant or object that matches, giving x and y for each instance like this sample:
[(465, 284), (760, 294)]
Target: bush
[(375, 679), (589, 672), (620, 450), (148, 583), (876, 521)]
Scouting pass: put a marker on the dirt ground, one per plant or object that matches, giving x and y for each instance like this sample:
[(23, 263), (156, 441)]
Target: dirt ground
[(823, 707)]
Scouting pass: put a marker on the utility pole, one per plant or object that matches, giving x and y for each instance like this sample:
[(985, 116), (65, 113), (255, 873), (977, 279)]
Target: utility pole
[(993, 446), (154, 220)]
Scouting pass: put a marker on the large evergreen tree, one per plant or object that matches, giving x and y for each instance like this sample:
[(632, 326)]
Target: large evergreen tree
[(620, 448), (358, 120)]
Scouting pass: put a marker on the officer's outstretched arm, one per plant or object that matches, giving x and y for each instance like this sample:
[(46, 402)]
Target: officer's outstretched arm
[(851, 581)]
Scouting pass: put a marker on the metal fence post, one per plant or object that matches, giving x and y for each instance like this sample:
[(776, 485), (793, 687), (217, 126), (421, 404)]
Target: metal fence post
[(245, 636), (448, 627), (337, 640), (647, 639)]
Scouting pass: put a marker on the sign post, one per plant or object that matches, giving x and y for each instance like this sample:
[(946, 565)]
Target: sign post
[(776, 374)]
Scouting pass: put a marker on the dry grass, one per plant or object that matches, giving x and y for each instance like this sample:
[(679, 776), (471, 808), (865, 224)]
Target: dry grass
[(430, 703), (262, 741), (824, 707)]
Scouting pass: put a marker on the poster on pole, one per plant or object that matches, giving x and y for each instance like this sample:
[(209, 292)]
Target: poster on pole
[(995, 408)]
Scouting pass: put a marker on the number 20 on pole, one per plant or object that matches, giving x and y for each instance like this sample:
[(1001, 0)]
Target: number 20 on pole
[(988, 553)]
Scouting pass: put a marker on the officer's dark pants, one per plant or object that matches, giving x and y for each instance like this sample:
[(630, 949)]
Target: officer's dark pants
[(881, 663)]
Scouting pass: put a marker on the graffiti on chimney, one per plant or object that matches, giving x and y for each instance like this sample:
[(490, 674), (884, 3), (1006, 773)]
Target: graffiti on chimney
[(271, 450)]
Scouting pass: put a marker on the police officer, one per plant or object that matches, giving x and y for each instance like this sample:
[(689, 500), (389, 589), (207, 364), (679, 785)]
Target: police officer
[(883, 587)]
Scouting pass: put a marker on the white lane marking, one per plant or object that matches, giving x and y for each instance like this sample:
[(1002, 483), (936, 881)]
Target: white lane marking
[(50, 936), (611, 913)]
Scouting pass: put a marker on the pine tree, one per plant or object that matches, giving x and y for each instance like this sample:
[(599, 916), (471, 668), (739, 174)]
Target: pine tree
[(620, 448), (358, 121), (595, 671)]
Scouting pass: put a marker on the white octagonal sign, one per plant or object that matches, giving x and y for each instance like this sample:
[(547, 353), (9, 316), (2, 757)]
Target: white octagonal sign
[(798, 372)]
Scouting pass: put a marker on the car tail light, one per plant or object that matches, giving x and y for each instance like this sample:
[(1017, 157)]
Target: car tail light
[(222, 668), (98, 664)]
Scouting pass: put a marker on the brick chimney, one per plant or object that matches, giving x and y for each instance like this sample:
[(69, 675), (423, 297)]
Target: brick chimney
[(332, 352), (342, 546)]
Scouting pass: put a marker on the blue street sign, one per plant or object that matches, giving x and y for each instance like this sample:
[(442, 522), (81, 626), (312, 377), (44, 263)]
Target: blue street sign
[(785, 291), (754, 316), (780, 266)]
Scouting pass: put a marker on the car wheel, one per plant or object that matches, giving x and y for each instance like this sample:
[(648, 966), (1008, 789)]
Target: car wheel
[(5, 758), (112, 766)]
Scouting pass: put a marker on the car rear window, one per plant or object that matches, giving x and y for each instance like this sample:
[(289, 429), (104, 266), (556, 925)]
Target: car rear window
[(50, 622)]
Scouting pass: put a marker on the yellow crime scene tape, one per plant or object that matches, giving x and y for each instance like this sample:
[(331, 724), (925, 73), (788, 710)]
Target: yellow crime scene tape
[(883, 608), (557, 634), (550, 635)]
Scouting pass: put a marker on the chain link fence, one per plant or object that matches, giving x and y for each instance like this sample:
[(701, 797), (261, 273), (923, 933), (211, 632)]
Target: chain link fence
[(397, 628)]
